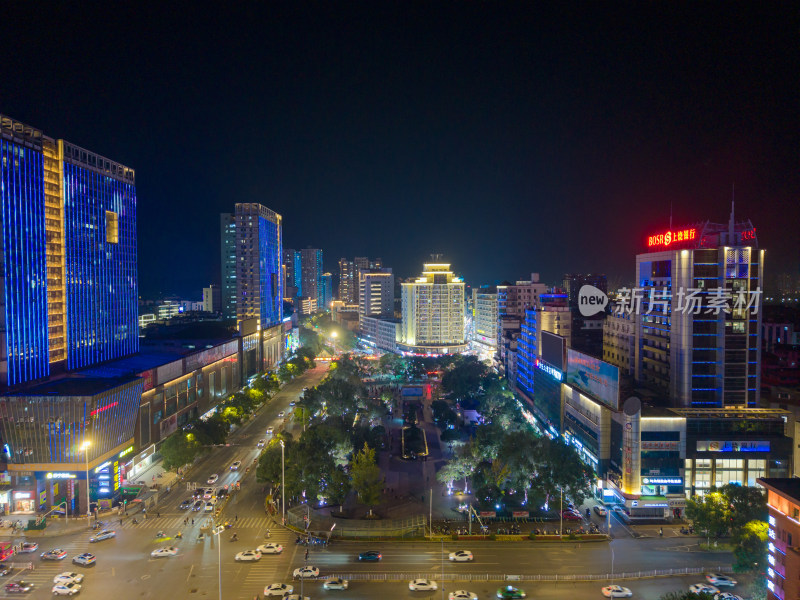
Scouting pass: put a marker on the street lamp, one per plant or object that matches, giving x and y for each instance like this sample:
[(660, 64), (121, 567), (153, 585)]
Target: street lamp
[(283, 486), (85, 447), (217, 531)]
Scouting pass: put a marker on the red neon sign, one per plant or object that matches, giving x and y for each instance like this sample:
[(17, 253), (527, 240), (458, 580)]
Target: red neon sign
[(102, 408), (749, 234), (671, 237)]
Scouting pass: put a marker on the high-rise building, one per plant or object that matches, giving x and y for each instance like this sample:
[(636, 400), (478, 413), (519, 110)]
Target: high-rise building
[(484, 320), (327, 291), (363, 263), (69, 286), (512, 302), (211, 299), (294, 273), (376, 293), (347, 281), (311, 268), (433, 312), (587, 332), (258, 265), (783, 570), (618, 341), (227, 231), (700, 357)]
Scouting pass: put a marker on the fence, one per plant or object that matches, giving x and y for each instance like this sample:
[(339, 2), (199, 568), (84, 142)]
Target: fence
[(355, 528), (551, 578)]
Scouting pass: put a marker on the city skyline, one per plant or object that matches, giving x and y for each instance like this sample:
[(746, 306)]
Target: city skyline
[(508, 120)]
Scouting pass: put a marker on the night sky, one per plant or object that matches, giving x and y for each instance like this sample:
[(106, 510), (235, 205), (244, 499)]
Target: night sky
[(506, 138)]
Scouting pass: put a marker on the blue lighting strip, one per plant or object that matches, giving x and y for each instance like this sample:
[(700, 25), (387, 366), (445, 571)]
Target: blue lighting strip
[(270, 258), (101, 277), (24, 253)]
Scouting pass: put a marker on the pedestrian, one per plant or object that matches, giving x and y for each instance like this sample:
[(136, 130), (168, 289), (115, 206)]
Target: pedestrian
[(192, 521), (158, 514), (235, 517), (268, 533)]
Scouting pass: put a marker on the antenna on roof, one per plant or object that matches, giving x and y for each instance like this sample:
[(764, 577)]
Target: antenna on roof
[(436, 257), (670, 215), (730, 222)]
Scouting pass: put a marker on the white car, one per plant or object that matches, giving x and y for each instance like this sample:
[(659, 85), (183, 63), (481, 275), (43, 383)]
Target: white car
[(103, 535), (248, 555), (261, 443), (703, 588), (296, 597), (213, 479), (726, 596), (278, 589), (235, 466), (616, 591), (335, 583), (306, 572), (600, 510), (281, 414), (270, 548), (463, 595), (67, 577), (270, 430), (719, 579), (422, 585), (209, 506), (461, 556), (164, 552), (85, 559), (66, 589), (208, 493)]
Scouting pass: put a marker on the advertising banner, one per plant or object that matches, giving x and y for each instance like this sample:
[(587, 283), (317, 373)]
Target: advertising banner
[(732, 446), (593, 376), (487, 513), (520, 514)]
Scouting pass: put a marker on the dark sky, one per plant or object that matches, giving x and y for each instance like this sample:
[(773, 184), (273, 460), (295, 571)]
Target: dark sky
[(508, 138)]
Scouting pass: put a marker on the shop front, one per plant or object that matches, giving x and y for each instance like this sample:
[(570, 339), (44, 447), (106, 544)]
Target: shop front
[(23, 501), (140, 463)]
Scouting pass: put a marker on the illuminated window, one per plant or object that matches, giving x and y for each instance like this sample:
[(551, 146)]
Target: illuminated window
[(112, 227)]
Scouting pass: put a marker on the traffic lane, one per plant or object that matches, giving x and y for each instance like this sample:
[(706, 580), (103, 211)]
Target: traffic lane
[(645, 589), (521, 557)]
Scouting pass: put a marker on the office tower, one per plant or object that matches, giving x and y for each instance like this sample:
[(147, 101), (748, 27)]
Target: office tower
[(376, 293), (587, 332), (363, 263), (433, 312), (512, 302), (347, 281), (783, 570), (258, 265), (327, 291), (211, 299), (311, 269), (700, 358), (69, 280), (484, 319), (227, 229), (294, 273)]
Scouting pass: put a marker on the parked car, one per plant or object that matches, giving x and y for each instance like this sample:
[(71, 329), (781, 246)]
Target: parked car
[(600, 510)]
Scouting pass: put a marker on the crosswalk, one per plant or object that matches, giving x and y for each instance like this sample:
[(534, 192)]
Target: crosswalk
[(176, 523), (44, 571)]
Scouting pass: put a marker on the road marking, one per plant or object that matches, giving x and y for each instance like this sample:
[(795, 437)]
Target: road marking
[(190, 573)]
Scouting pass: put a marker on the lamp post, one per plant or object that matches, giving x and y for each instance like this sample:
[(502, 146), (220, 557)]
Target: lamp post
[(85, 447), (217, 531), (283, 486), (561, 516), (612, 565)]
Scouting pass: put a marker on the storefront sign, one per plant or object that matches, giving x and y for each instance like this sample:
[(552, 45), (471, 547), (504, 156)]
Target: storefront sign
[(520, 514), (60, 476), (669, 446), (125, 452), (662, 480), (23, 494), (552, 371), (103, 466), (733, 446), (487, 513), (42, 497), (116, 475)]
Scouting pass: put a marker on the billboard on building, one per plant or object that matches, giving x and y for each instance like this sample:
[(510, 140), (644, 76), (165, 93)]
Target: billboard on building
[(553, 349), (594, 377)]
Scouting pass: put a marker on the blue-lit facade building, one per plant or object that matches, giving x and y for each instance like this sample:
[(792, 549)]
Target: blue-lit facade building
[(227, 234)]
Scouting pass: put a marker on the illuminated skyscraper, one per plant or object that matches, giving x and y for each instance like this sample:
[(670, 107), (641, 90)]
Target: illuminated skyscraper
[(69, 285), (311, 283), (227, 230), (294, 273), (433, 313)]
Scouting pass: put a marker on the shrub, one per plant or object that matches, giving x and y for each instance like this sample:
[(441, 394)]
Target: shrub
[(492, 536), (455, 536), (531, 536)]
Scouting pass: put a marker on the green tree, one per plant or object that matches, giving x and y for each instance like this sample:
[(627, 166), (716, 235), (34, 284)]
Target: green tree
[(709, 513), (337, 486), (212, 431), (443, 414), (465, 378), (751, 546), (269, 464), (179, 449), (745, 504), (366, 476), (558, 467)]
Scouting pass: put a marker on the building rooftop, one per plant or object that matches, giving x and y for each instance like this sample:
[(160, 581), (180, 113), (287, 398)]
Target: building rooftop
[(74, 385), (786, 486)]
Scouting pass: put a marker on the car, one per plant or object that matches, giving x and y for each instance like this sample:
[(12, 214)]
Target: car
[(296, 597), (29, 547), (370, 555), (4, 570), (19, 587), (726, 596), (185, 504), (270, 548), (422, 585), (248, 555), (235, 466), (703, 588), (165, 552), (510, 592), (66, 589), (270, 430), (103, 535), (462, 595), (261, 443), (306, 572), (54, 554), (68, 577), (600, 510), (281, 414), (335, 583), (222, 493), (461, 556), (620, 510), (208, 493), (198, 505), (292, 403), (85, 559), (616, 591), (278, 589), (213, 479), (719, 579), (209, 506)]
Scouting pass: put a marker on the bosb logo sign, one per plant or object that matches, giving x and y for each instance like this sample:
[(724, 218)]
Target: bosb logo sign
[(591, 300)]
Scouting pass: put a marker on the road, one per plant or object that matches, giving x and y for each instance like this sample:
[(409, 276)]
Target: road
[(125, 569)]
